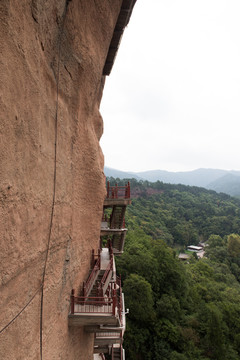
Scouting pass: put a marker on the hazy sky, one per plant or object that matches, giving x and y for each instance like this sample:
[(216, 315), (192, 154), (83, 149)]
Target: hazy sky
[(172, 101)]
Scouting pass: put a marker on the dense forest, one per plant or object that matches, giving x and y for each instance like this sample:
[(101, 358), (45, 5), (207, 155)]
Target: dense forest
[(181, 310)]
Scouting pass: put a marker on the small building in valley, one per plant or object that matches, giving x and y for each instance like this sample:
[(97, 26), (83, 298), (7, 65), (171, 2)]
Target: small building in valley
[(194, 248)]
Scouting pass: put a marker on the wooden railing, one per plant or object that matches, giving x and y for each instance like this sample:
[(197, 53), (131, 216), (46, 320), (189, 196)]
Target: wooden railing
[(92, 305), (111, 305), (110, 335), (95, 257), (121, 352), (108, 220), (115, 192), (107, 271), (106, 278), (102, 287), (94, 273), (119, 297)]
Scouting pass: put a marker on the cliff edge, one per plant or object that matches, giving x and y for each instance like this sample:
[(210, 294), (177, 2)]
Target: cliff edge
[(52, 184)]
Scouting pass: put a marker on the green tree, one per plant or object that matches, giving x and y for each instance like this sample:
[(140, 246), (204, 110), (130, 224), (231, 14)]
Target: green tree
[(214, 241), (139, 299), (215, 339), (234, 245)]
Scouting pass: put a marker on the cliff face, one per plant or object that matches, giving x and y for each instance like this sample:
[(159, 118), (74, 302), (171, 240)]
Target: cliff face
[(52, 183)]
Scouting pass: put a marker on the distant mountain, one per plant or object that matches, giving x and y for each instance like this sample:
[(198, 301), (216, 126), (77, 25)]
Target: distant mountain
[(120, 174), (199, 177), (229, 184), (212, 179)]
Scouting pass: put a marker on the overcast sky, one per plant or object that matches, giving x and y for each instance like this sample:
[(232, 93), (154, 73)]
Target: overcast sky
[(172, 100)]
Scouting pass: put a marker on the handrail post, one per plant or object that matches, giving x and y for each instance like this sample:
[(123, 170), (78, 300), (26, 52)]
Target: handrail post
[(72, 301), (108, 186), (99, 291), (128, 189), (99, 256), (110, 249), (84, 288), (114, 302), (120, 306), (116, 191)]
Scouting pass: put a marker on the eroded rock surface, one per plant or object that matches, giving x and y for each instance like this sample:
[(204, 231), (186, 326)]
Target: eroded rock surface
[(52, 184)]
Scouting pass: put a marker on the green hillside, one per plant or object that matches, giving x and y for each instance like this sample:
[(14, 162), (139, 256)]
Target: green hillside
[(181, 311)]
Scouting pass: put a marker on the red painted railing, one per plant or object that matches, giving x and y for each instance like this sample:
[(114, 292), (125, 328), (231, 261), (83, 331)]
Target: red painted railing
[(119, 298), (92, 277), (115, 192), (95, 257), (108, 220), (121, 352), (92, 305), (105, 279), (109, 334), (111, 305), (109, 267)]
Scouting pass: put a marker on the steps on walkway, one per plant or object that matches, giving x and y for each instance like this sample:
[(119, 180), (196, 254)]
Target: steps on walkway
[(117, 217), (117, 353), (94, 291)]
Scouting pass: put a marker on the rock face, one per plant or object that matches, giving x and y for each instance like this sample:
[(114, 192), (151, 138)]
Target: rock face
[(52, 184)]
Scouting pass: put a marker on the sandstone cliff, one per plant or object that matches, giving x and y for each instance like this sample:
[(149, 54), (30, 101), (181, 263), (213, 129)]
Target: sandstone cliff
[(52, 184)]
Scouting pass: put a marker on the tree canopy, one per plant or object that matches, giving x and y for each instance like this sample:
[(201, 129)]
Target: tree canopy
[(181, 311)]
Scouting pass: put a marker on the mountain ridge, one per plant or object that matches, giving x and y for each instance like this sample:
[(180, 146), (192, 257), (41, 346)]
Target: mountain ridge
[(227, 181)]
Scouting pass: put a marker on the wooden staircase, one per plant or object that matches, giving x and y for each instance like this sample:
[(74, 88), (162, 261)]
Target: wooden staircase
[(94, 291), (117, 217), (118, 242), (116, 353), (100, 307), (113, 226)]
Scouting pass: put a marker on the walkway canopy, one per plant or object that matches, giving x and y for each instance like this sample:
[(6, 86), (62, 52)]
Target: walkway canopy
[(122, 21)]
